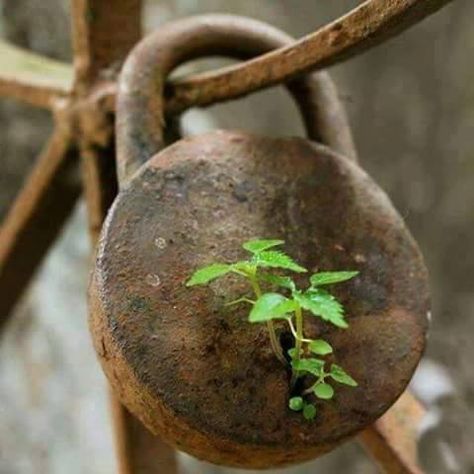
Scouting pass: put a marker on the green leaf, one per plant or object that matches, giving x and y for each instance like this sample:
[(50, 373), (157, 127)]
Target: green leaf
[(244, 266), (206, 274), (324, 391), (323, 305), (309, 411), (328, 278), (320, 347), (256, 246), (292, 352), (311, 365), (276, 259), (286, 307), (270, 306), (341, 376), (283, 281), (296, 403)]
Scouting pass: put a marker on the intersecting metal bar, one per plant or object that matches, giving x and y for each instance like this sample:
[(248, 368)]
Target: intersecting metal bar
[(31, 78), (37, 216), (392, 440), (366, 26), (102, 36)]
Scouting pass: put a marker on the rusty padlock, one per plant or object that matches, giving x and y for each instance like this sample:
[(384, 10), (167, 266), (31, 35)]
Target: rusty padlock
[(190, 369)]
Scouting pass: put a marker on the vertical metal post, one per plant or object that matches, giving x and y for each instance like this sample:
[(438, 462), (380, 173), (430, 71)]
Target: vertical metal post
[(102, 36)]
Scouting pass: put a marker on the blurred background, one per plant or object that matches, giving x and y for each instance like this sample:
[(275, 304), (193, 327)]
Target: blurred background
[(411, 107)]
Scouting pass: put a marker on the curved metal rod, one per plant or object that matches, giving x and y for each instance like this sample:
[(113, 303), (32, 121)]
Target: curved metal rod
[(364, 27), (140, 97)]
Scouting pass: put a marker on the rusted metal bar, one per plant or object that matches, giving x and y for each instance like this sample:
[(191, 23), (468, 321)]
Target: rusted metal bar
[(102, 36), (37, 216), (366, 26), (392, 440), (153, 456), (31, 78)]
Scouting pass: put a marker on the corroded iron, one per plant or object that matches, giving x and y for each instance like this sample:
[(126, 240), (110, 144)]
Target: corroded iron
[(141, 101), (189, 368), (365, 26)]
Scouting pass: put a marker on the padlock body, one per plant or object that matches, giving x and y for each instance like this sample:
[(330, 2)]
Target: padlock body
[(195, 371)]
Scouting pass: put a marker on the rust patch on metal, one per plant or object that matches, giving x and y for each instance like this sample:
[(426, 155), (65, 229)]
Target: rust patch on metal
[(195, 371)]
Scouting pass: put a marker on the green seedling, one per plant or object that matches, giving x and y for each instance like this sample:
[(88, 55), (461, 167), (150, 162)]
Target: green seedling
[(291, 304)]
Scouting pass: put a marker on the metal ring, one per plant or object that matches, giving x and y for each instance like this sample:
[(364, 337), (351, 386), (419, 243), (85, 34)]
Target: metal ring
[(140, 99)]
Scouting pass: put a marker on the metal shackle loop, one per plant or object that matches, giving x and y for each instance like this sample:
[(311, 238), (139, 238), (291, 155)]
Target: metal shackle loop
[(141, 92)]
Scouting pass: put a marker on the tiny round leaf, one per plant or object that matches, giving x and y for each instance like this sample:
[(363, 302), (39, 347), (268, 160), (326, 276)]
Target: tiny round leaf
[(309, 411), (320, 347), (324, 391), (296, 403)]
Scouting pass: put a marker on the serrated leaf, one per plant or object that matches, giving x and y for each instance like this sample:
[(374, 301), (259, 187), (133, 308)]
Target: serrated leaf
[(309, 411), (340, 375), (276, 259), (320, 347), (311, 365), (206, 274), (283, 281), (286, 307), (256, 246), (328, 278), (296, 403), (270, 306), (244, 266), (323, 305), (324, 391)]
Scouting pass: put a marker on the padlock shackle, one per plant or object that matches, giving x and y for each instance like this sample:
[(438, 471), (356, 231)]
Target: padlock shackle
[(140, 119)]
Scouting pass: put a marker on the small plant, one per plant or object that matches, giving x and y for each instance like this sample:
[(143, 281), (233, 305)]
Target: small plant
[(290, 305)]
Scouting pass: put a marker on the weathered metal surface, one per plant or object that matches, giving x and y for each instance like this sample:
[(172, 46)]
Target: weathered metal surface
[(140, 102), (369, 24), (392, 441), (217, 34), (195, 371), (37, 216)]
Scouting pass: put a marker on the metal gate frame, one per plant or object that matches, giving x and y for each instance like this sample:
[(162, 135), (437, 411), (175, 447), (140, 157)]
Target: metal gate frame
[(79, 158)]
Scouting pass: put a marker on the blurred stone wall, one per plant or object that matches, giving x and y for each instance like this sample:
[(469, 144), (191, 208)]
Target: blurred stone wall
[(411, 105)]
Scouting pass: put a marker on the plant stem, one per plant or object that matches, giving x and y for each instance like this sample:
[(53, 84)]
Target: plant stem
[(276, 347), (298, 340), (299, 330), (293, 331), (240, 300)]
